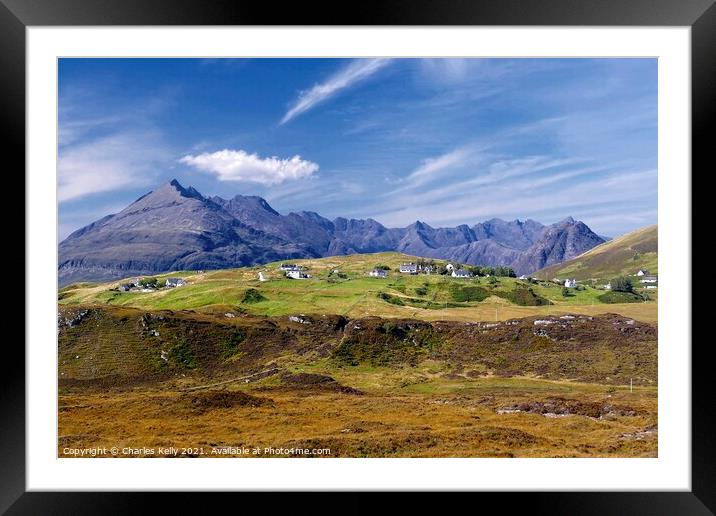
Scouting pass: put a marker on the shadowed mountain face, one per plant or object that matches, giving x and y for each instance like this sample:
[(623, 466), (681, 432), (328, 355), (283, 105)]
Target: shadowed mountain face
[(176, 228)]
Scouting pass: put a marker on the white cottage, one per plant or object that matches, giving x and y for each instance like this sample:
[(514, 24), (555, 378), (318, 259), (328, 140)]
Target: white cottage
[(409, 268), (175, 282), (297, 275), (570, 283)]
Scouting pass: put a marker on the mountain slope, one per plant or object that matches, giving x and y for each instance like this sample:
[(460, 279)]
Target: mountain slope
[(175, 228), (621, 256), (557, 243), (168, 229)]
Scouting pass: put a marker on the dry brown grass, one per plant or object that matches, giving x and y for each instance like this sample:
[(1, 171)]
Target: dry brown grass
[(502, 311), (462, 423)]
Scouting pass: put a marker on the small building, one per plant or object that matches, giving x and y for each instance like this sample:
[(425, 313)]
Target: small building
[(378, 273), (261, 277), (570, 283), (175, 282), (608, 286), (461, 273), (642, 272), (425, 268), (649, 279), (297, 274), (409, 268), (289, 267), (450, 267), (125, 287)]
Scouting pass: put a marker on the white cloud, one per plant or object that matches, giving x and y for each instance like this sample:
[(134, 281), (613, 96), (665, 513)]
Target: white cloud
[(104, 147), (239, 165), (446, 161), (120, 160), (356, 71)]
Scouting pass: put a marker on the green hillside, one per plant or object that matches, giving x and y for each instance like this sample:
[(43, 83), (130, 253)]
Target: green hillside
[(623, 256), (341, 285)]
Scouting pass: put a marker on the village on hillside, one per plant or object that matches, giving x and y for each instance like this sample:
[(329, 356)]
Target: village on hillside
[(642, 278)]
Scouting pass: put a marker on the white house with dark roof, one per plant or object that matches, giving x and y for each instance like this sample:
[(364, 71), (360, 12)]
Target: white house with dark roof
[(642, 272), (378, 273), (297, 274), (461, 273), (649, 279), (570, 283), (409, 268), (289, 267), (175, 282)]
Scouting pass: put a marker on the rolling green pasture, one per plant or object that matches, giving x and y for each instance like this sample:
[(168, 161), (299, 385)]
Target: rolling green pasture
[(341, 285)]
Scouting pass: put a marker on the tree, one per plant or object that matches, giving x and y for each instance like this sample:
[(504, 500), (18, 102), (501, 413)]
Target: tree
[(622, 284), (148, 282), (505, 272), (476, 270)]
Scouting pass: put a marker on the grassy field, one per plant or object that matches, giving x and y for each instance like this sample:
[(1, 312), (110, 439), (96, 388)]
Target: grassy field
[(341, 285), (391, 417)]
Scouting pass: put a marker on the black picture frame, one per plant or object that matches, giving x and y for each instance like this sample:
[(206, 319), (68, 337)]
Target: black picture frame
[(16, 15)]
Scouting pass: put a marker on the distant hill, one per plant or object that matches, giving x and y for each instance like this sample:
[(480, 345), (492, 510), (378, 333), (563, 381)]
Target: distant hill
[(176, 228), (622, 256)]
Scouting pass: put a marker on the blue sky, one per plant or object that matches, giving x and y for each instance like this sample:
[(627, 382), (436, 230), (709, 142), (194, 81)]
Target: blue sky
[(444, 141)]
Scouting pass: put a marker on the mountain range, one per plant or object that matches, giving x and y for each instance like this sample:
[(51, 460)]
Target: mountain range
[(177, 228)]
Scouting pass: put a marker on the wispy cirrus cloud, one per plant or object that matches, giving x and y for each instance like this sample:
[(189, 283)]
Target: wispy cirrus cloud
[(101, 150), (239, 165), (431, 166), (539, 198), (121, 160), (356, 71)]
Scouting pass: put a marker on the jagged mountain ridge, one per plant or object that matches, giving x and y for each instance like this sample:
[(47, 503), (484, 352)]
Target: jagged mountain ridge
[(174, 228)]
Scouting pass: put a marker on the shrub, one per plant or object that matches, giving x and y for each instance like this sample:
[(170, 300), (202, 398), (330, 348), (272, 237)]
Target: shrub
[(622, 284), (620, 297), (182, 354), (464, 294), (524, 297), (231, 345), (252, 296)]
